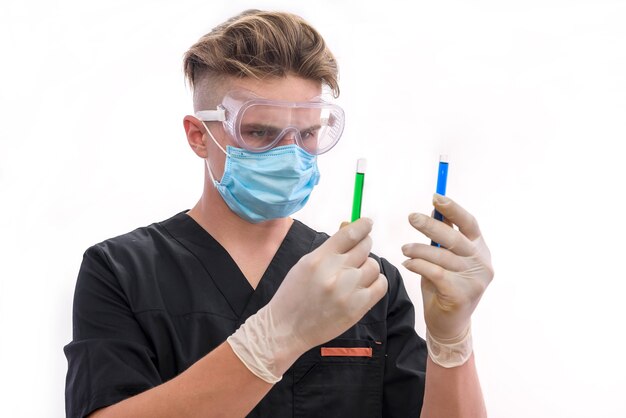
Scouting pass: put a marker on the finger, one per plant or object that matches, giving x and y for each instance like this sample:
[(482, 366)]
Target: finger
[(357, 255), (434, 273), (457, 215), (369, 272), (445, 235), (344, 224), (348, 236), (377, 289), (444, 220), (439, 256)]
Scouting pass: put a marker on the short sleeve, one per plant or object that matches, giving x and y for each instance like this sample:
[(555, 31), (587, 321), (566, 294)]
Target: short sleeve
[(405, 364), (109, 357)]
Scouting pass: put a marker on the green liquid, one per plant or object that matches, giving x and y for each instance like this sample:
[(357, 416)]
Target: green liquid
[(358, 196)]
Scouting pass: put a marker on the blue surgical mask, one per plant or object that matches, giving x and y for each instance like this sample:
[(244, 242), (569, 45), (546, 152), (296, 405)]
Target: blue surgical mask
[(267, 185)]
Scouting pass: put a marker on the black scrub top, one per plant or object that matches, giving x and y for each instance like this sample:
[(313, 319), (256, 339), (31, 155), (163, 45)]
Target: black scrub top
[(150, 303)]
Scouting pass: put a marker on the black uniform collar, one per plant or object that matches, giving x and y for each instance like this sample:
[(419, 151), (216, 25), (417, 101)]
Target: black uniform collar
[(222, 269)]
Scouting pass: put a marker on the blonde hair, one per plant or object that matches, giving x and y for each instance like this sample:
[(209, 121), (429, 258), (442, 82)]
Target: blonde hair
[(259, 45)]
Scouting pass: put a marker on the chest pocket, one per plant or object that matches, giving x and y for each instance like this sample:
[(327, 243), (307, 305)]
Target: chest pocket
[(342, 378)]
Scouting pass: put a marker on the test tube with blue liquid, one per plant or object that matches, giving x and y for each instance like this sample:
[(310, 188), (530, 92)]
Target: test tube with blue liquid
[(442, 180)]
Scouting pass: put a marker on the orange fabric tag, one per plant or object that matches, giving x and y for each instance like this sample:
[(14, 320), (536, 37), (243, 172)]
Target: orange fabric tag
[(346, 352)]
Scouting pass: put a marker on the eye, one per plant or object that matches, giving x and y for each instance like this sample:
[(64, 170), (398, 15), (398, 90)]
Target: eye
[(259, 133), (309, 134)]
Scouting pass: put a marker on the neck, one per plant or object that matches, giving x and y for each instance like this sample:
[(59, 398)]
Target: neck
[(232, 232), (251, 246)]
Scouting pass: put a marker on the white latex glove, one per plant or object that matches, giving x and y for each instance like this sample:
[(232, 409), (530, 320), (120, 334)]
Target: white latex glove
[(455, 275), (322, 296)]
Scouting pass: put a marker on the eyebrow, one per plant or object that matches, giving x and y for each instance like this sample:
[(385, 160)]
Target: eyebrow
[(267, 126), (313, 127), (258, 126)]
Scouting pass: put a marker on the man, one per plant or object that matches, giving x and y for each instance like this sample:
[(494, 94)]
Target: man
[(233, 308)]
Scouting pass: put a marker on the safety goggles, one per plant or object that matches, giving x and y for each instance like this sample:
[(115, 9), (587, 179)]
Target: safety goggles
[(259, 124)]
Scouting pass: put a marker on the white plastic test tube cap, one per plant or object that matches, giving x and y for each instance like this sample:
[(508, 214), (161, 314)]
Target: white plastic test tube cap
[(361, 165)]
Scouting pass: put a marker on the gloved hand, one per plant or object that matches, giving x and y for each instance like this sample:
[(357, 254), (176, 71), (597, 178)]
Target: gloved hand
[(322, 296), (455, 275)]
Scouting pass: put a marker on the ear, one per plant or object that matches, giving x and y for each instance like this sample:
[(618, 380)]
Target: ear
[(195, 135)]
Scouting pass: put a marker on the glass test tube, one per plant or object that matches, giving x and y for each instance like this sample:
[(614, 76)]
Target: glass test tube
[(358, 188), (442, 180)]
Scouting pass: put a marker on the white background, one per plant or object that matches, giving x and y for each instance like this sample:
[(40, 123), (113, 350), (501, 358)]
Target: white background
[(528, 98)]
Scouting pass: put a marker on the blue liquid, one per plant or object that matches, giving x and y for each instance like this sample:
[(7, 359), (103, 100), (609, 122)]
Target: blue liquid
[(442, 181)]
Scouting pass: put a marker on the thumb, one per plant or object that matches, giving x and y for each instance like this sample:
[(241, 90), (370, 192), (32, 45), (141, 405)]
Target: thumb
[(348, 236)]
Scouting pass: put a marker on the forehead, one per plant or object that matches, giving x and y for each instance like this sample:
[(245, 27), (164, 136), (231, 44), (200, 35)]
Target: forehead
[(281, 116), (289, 88)]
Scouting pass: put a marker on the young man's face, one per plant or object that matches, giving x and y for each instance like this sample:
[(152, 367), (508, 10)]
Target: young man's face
[(290, 88)]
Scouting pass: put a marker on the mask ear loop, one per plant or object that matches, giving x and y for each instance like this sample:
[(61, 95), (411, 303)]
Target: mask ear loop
[(206, 160)]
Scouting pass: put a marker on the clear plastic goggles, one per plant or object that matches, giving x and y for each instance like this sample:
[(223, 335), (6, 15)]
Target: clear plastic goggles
[(259, 124)]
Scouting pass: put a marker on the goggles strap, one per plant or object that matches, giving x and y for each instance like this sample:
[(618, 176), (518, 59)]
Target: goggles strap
[(212, 115)]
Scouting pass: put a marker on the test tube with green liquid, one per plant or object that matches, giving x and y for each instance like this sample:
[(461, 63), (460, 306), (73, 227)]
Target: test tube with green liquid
[(358, 188)]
